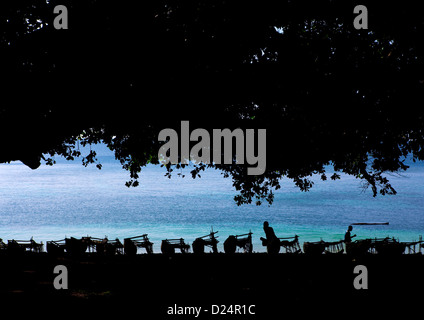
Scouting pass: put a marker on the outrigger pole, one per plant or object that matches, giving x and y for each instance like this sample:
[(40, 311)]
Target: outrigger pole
[(369, 223)]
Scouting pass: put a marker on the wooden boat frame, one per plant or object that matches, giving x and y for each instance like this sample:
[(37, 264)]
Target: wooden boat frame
[(243, 241)]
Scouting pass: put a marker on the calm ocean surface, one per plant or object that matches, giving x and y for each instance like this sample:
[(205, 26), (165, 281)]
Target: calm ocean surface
[(70, 200)]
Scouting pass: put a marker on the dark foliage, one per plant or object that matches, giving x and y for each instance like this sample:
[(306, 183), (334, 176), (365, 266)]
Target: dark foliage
[(123, 71)]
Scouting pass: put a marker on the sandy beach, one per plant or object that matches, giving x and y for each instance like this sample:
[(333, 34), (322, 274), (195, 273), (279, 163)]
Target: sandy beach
[(159, 285)]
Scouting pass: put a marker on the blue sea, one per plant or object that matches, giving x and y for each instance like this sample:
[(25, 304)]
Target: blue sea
[(68, 199)]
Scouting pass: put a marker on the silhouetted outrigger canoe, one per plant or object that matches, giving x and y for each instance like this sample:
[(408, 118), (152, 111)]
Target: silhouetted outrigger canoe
[(358, 247), (413, 247), (109, 247), (75, 246), (242, 241), (289, 246), (20, 246), (169, 245), (365, 246), (132, 244), (200, 243), (381, 246), (391, 246), (56, 247), (320, 247), (3, 246), (387, 246)]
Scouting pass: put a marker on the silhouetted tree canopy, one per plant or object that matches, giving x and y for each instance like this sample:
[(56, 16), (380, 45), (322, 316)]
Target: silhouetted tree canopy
[(324, 91)]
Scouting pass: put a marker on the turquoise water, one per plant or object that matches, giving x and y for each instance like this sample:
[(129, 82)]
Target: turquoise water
[(70, 200)]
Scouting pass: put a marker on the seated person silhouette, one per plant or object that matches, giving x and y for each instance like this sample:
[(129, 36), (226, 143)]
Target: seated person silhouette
[(271, 241)]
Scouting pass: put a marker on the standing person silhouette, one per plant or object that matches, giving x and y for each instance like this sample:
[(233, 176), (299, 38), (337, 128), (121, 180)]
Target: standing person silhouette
[(271, 241), (348, 237)]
